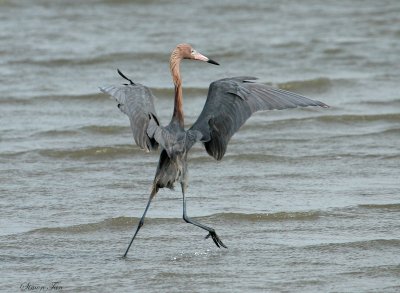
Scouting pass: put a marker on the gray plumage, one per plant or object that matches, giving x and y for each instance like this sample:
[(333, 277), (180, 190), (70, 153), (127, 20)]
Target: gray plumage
[(137, 102), (230, 102)]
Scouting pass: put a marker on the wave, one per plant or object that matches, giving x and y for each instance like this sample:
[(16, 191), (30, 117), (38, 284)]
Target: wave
[(391, 102), (89, 129), (266, 217), (319, 85), (160, 93), (316, 85), (50, 98), (288, 44), (103, 129), (120, 223), (107, 224), (91, 152), (390, 117), (390, 206), (9, 3), (93, 60), (389, 131), (168, 93), (350, 118), (56, 133), (128, 150), (198, 155), (267, 158), (116, 2), (362, 244), (328, 119)]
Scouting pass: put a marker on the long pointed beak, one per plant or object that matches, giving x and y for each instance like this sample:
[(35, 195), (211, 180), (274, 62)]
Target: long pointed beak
[(212, 62), (198, 56)]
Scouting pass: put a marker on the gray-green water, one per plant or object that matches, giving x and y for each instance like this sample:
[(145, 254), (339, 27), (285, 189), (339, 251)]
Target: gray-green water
[(307, 200)]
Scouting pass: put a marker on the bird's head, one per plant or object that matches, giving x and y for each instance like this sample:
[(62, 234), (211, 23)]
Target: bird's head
[(188, 52)]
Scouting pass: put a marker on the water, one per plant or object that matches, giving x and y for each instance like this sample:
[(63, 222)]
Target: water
[(306, 200)]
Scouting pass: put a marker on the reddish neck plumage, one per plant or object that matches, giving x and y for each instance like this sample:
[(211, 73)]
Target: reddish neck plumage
[(174, 63)]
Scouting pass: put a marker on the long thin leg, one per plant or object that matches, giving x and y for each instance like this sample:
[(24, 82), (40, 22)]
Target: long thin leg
[(211, 231), (141, 222)]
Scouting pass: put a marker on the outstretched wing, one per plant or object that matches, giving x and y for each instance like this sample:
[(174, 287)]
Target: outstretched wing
[(231, 101), (137, 102)]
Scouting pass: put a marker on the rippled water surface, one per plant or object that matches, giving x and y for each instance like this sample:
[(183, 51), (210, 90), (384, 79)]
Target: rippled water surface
[(307, 200)]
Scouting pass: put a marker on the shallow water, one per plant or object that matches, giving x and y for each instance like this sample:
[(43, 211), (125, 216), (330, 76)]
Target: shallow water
[(305, 199)]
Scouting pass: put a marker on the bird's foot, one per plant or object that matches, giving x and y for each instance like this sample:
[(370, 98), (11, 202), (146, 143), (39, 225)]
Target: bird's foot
[(216, 239)]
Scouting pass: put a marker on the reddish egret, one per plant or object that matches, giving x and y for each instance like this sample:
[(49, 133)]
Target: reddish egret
[(230, 102)]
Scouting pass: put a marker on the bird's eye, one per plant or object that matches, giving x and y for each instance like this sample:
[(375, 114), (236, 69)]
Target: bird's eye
[(193, 52)]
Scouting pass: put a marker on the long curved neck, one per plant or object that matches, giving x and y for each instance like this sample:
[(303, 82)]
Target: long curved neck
[(174, 63)]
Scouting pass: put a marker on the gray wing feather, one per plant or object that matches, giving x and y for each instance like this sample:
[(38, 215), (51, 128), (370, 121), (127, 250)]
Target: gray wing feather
[(137, 102), (231, 101)]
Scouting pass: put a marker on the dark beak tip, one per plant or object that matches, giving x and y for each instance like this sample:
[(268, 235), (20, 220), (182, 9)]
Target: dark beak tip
[(213, 62)]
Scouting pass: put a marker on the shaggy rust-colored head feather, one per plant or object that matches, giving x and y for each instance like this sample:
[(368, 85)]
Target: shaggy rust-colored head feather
[(182, 51)]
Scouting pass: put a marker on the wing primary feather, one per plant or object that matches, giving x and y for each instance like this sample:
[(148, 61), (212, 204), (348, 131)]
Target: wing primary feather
[(297, 97), (231, 101), (124, 76), (137, 102)]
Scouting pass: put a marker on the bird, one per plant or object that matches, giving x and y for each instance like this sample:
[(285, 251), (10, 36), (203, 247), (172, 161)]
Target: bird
[(230, 102)]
